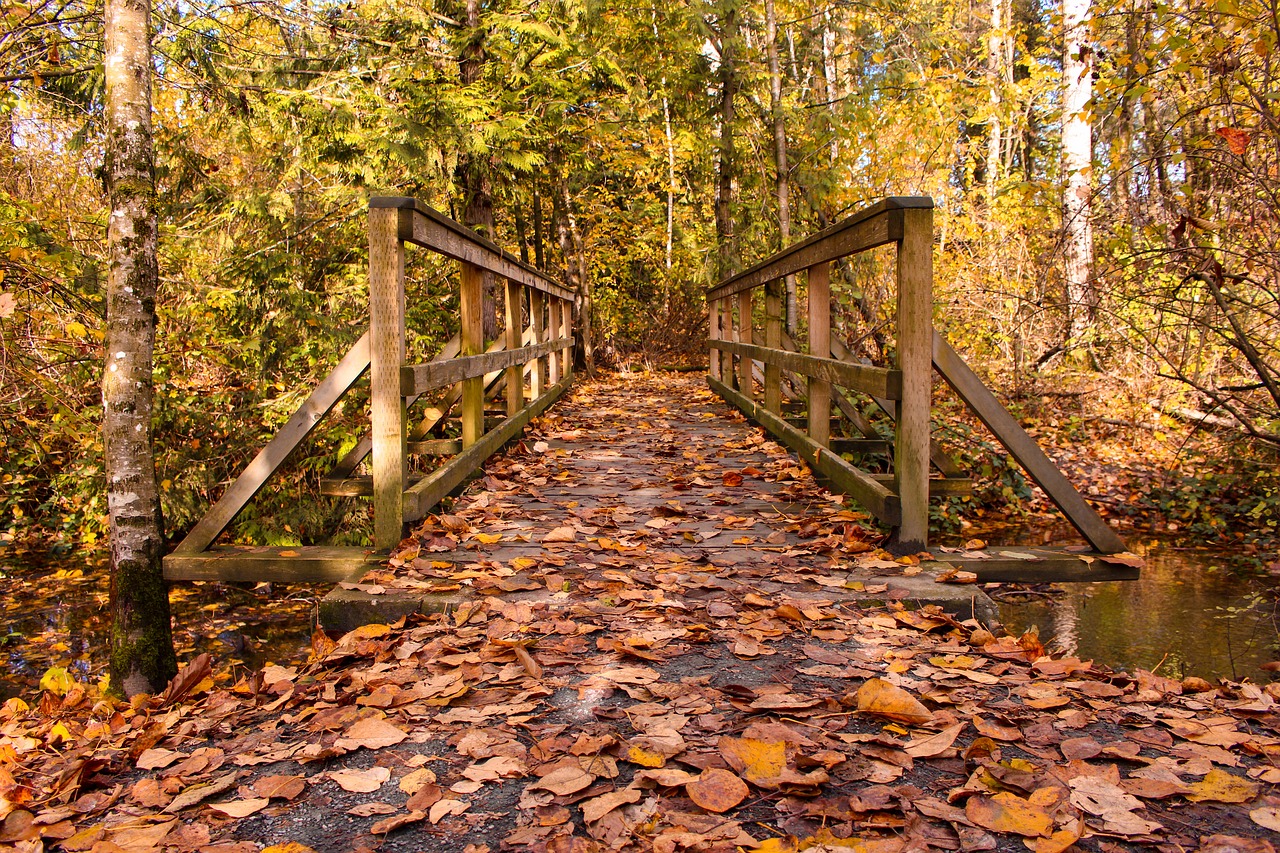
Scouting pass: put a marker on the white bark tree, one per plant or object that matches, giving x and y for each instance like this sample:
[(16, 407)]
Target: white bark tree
[(1077, 156), (142, 655)]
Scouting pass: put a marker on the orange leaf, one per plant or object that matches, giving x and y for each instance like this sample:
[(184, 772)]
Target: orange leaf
[(882, 699), (1007, 812), (1237, 140), (717, 790), (757, 760)]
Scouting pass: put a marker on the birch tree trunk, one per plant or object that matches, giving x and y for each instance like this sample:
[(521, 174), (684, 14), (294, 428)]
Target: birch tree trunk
[(1077, 156), (142, 655), (995, 77)]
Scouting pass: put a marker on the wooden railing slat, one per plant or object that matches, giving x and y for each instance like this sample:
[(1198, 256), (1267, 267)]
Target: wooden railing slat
[(419, 379), (880, 381)]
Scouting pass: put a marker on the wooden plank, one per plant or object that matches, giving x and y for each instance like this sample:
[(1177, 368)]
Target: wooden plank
[(537, 328), (1048, 566), (428, 492), (862, 487), (860, 377), (355, 487), (270, 458), (915, 342), (472, 334), (713, 335), (870, 227), (773, 340), (428, 227), (861, 445), (301, 564), (946, 487), (515, 325), (1023, 448), (436, 447), (820, 347), (726, 334), (566, 334), (745, 361), (418, 379), (386, 353)]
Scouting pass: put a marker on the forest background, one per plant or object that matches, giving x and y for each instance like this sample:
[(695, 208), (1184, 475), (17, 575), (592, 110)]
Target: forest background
[(1105, 177)]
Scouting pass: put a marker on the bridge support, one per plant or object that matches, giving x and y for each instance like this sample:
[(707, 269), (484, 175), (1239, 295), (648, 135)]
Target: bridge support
[(465, 372), (899, 499)]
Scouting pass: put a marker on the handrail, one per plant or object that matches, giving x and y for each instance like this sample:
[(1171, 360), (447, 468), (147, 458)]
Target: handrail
[(394, 222), (906, 222)]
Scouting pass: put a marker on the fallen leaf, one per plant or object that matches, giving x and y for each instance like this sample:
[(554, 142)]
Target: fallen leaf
[(371, 733), (240, 808), (598, 807), (558, 534), (934, 745), (1267, 817), (361, 781), (757, 760), (1006, 812), (445, 808), (880, 698), (394, 822), (279, 787), (564, 780), (717, 790), (1219, 786)]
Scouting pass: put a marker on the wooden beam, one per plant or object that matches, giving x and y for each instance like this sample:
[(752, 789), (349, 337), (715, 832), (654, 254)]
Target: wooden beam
[(428, 492), (945, 487), (773, 340), (862, 487), (1033, 565), (915, 342), (472, 334), (299, 564), (820, 347), (537, 326), (1023, 448), (861, 445), (713, 335), (270, 458), (386, 352), (860, 377), (417, 379), (745, 311), (427, 227), (873, 226), (515, 325)]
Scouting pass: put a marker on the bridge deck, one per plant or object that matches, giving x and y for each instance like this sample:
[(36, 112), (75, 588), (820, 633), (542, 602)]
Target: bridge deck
[(654, 478)]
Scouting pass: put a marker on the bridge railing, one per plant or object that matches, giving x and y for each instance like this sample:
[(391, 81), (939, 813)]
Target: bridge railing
[(536, 345), (900, 501), (902, 390)]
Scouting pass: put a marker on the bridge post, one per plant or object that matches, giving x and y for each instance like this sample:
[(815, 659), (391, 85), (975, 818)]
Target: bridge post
[(745, 362), (713, 332), (387, 355), (472, 338), (820, 347), (773, 340), (726, 332), (914, 359), (515, 331), (538, 367)]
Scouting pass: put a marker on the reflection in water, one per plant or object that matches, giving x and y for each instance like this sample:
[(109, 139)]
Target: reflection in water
[(1187, 615), (56, 615)]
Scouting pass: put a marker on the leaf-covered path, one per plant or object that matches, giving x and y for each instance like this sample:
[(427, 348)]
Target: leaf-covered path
[(620, 681)]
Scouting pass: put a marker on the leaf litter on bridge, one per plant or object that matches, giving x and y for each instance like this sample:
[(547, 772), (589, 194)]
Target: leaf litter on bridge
[(624, 687)]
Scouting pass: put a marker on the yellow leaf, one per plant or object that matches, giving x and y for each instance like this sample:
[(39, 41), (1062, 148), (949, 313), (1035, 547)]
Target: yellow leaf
[(59, 734), (1219, 786), (76, 330), (57, 680), (489, 538), (1006, 812), (882, 699), (288, 847), (786, 844), (645, 758), (757, 760)]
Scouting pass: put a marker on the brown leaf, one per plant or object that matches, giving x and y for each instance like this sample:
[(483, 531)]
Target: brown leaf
[(394, 822), (371, 809), (880, 698), (199, 793), (564, 780), (361, 781), (188, 679), (371, 733), (717, 790), (598, 807), (279, 787), (240, 808), (445, 808), (934, 745), (559, 534)]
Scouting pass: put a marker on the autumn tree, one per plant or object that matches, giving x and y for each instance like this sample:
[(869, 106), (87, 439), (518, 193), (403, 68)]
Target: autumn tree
[(142, 654)]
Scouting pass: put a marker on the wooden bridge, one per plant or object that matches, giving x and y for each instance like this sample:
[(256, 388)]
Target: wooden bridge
[(437, 410)]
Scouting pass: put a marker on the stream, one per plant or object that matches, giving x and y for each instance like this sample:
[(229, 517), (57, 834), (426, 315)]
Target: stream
[(1189, 614)]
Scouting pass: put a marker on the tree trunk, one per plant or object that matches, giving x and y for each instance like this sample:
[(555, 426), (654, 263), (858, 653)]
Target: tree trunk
[(995, 84), (473, 172), (1077, 155), (782, 183), (577, 271), (726, 233), (142, 655)]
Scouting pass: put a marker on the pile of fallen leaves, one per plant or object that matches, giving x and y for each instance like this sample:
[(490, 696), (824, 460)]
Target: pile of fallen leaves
[(695, 684)]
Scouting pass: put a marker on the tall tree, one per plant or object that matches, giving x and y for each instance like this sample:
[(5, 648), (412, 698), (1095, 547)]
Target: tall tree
[(142, 655), (727, 166), (1077, 156), (782, 183)]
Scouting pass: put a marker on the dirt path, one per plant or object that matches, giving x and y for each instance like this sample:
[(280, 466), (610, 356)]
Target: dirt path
[(689, 671)]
